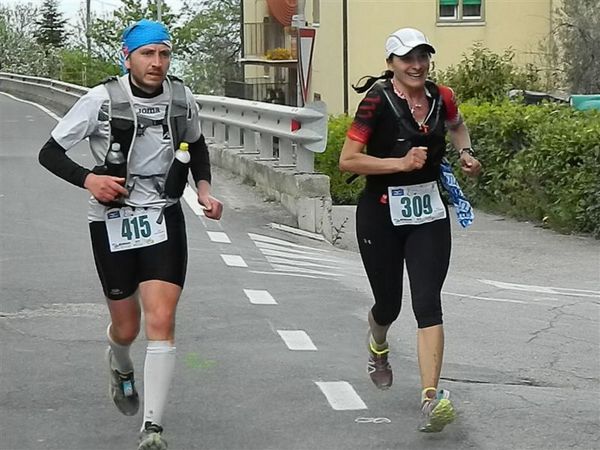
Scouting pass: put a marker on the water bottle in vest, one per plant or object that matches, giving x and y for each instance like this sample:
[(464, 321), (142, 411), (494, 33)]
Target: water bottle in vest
[(116, 165), (178, 173)]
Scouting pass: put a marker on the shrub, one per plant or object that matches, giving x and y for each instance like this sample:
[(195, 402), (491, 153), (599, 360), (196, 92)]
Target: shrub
[(541, 163), (327, 162), (483, 75)]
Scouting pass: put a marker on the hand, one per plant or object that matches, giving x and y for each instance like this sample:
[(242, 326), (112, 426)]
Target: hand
[(105, 188), (213, 208), (470, 165), (414, 160)]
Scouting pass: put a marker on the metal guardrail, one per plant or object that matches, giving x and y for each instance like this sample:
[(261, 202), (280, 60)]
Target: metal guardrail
[(300, 132), (287, 135)]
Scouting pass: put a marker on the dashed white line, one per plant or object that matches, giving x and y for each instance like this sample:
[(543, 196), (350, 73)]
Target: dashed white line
[(259, 297), (219, 236), (341, 395), (234, 260), (297, 340)]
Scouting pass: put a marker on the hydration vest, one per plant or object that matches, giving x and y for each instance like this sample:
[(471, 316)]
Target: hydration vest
[(125, 125), (432, 132)]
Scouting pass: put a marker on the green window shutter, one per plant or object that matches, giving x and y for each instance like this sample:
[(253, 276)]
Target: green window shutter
[(471, 2), (448, 2)]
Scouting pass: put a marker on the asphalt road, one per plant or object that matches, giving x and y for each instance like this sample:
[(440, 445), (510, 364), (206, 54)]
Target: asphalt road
[(271, 352)]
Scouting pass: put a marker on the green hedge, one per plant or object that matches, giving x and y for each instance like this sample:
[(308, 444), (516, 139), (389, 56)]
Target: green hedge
[(541, 163)]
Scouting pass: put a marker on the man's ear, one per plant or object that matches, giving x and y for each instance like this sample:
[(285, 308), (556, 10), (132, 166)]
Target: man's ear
[(127, 63)]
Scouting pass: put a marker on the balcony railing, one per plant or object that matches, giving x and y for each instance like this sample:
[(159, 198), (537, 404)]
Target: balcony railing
[(269, 41), (257, 89)]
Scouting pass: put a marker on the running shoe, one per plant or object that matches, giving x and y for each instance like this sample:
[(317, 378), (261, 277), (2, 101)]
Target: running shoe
[(378, 367), (121, 388), (151, 438), (437, 412)]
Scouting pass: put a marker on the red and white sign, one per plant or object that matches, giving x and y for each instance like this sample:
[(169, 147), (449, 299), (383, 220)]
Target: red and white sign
[(306, 45)]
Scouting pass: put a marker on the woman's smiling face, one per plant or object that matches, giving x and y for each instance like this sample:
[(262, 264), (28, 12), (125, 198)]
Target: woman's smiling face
[(412, 69)]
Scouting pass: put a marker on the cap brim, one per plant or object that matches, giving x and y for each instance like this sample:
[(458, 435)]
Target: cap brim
[(429, 48)]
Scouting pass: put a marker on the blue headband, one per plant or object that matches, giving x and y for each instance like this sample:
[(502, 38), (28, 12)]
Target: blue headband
[(142, 33)]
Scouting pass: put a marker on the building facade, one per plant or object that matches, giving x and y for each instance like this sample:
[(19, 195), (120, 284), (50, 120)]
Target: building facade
[(351, 34)]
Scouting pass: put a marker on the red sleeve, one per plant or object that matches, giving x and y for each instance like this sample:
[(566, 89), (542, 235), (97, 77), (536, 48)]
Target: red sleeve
[(366, 116), (449, 99)]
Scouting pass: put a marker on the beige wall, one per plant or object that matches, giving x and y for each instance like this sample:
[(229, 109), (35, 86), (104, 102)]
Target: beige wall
[(327, 76), (520, 24)]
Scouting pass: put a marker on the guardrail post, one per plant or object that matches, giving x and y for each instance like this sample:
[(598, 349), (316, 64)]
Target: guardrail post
[(266, 146), (208, 129), (249, 142), (286, 153), (220, 133), (305, 160), (234, 137)]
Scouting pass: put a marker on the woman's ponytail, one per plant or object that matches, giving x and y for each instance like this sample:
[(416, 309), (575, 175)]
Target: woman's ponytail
[(388, 74)]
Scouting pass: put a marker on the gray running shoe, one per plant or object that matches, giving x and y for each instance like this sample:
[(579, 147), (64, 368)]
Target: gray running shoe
[(121, 388), (151, 438), (379, 368), (437, 412)]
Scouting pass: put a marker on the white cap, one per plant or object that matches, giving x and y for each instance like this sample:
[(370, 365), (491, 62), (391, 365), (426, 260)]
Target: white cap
[(404, 40)]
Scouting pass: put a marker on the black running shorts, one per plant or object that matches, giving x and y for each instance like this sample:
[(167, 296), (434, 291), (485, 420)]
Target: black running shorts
[(121, 272)]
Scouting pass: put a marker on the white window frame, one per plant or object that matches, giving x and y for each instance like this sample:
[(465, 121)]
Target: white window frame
[(459, 16)]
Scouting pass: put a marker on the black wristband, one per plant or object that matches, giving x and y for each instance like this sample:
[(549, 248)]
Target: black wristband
[(467, 150)]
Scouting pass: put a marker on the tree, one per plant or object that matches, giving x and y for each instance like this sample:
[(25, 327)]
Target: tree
[(50, 30), (106, 31), (211, 42), (19, 52), (578, 32)]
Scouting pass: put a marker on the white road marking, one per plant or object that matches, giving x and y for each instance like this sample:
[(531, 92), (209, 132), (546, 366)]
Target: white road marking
[(272, 240), (285, 254), (477, 297), (341, 395), (219, 236), (300, 275), (544, 289), (191, 198), (297, 340), (259, 297), (43, 108), (308, 234), (234, 260), (283, 248), (294, 268), (277, 260), (300, 260)]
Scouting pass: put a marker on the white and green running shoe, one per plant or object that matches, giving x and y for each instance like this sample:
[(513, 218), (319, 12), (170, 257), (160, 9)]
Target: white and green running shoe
[(437, 412), (151, 438)]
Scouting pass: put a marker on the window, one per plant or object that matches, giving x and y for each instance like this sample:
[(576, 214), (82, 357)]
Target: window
[(459, 10)]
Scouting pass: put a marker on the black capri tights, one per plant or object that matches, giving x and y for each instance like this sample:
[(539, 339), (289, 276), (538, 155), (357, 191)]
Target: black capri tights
[(384, 248)]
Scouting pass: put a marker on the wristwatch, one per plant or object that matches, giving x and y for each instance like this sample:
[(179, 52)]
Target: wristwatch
[(468, 150)]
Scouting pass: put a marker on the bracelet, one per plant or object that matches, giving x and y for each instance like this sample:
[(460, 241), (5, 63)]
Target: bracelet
[(467, 150)]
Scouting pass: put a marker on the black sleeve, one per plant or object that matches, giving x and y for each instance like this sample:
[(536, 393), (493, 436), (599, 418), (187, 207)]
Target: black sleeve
[(200, 161), (54, 158)]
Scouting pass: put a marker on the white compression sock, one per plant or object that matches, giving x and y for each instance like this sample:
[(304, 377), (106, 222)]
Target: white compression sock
[(121, 359), (158, 372)]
